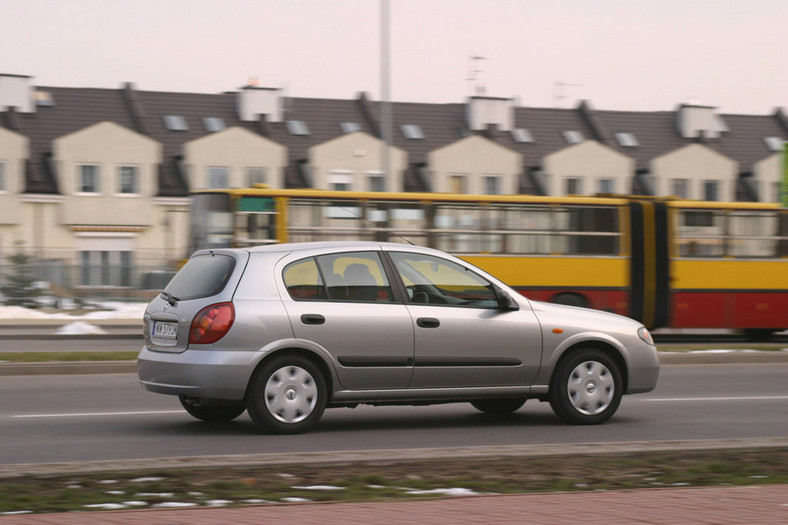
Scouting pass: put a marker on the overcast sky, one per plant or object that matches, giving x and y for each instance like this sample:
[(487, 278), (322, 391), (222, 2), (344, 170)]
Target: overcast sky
[(617, 54)]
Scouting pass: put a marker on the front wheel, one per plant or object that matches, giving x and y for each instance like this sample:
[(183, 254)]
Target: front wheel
[(287, 395), (206, 411), (586, 388), (498, 406)]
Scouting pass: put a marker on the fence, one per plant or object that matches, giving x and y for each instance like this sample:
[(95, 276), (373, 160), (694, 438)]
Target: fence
[(59, 278)]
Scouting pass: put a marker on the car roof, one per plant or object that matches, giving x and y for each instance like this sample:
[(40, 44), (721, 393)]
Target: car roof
[(332, 245)]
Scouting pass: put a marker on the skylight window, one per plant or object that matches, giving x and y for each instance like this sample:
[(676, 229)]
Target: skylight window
[(573, 137), (627, 140), (297, 127), (213, 124), (522, 135), (412, 131), (44, 99), (774, 143), (350, 127), (175, 123)]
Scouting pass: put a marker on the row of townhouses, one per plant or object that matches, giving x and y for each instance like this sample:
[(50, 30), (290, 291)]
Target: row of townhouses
[(102, 176)]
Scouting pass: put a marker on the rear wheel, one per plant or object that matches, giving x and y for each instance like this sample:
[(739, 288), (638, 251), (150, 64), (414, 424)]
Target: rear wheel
[(210, 411), (498, 406), (287, 395), (586, 388)]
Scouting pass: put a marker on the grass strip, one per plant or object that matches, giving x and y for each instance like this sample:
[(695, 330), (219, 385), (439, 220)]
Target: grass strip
[(386, 481), (45, 357)]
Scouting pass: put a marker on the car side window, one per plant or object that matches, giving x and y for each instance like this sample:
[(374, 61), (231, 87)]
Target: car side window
[(303, 280), (355, 276), (435, 281)]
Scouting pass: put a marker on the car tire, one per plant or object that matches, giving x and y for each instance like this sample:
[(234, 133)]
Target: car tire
[(498, 406), (287, 395), (197, 408), (586, 388)]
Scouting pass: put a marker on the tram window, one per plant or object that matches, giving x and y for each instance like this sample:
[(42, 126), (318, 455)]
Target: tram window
[(753, 234)]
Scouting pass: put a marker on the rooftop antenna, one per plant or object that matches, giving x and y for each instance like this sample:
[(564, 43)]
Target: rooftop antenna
[(559, 92), (474, 84)]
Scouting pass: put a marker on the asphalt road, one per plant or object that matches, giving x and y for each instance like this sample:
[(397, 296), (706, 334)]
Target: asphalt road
[(60, 418)]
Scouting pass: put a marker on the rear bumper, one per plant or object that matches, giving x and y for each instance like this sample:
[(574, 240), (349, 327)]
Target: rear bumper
[(197, 373)]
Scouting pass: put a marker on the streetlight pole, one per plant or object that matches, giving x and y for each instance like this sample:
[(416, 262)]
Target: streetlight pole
[(385, 103)]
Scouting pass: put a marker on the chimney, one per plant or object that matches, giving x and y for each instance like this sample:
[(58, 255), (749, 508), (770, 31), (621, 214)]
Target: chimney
[(483, 111), (16, 91), (254, 101), (697, 122)]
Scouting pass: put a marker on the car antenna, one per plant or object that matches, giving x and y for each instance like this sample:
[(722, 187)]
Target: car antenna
[(387, 230)]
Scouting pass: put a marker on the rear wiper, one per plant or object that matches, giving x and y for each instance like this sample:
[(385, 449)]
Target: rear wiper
[(170, 298)]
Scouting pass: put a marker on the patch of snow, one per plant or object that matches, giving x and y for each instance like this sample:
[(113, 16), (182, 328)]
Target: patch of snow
[(448, 492), (320, 487), (146, 480), (105, 506), (173, 505), (16, 512), (218, 502), (80, 327), (136, 503), (296, 500), (155, 494)]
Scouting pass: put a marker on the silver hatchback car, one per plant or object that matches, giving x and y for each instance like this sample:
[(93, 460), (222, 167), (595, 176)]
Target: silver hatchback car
[(287, 330)]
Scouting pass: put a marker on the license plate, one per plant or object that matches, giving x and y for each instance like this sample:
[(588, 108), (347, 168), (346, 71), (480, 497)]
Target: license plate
[(165, 329)]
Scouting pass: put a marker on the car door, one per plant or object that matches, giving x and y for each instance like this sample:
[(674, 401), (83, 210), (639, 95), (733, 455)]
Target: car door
[(344, 303), (462, 337)]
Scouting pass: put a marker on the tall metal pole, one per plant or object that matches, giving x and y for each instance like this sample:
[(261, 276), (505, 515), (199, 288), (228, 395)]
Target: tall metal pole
[(385, 103)]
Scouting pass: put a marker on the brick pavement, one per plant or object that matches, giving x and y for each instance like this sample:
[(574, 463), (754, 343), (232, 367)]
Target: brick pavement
[(750, 505)]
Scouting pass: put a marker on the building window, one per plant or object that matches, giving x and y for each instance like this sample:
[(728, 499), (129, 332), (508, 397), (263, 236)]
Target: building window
[(340, 180), (256, 176), (412, 131), (492, 184), (106, 268), (376, 181), (218, 177), (87, 178), (778, 192), (175, 123), (573, 186), (349, 127), (3, 178), (711, 190), (128, 180), (573, 137), (606, 186), (458, 183), (297, 127), (774, 143), (679, 188), (213, 124)]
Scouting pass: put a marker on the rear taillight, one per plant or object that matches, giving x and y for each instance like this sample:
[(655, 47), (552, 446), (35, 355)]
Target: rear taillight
[(211, 323)]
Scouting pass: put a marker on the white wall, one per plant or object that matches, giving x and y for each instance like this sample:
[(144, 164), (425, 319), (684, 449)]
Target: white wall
[(237, 149), (696, 163), (589, 161), (476, 157)]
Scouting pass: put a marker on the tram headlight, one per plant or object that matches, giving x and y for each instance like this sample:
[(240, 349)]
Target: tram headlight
[(645, 335)]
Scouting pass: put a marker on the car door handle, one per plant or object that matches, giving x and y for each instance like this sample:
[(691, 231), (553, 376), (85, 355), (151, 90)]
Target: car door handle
[(313, 319), (428, 322)]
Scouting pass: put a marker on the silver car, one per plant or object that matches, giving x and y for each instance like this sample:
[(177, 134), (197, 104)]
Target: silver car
[(287, 330)]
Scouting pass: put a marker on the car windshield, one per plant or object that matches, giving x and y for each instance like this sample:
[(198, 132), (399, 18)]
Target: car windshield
[(201, 276)]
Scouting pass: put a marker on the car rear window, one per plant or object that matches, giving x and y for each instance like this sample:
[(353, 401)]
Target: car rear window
[(201, 276)]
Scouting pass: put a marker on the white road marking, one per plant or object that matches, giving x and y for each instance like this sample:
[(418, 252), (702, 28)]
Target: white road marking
[(744, 398), (91, 414)]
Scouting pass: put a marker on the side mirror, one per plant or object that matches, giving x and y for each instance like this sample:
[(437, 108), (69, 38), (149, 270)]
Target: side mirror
[(505, 302)]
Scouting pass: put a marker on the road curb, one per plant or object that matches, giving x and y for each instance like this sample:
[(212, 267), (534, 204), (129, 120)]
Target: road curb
[(389, 456)]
